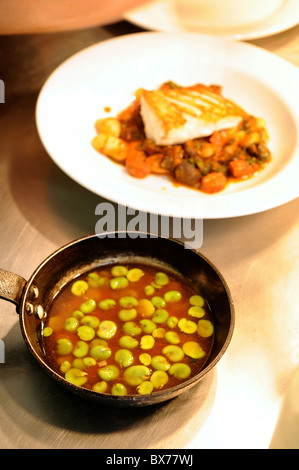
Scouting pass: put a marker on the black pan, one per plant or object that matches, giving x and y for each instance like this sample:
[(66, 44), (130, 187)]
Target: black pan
[(34, 297)]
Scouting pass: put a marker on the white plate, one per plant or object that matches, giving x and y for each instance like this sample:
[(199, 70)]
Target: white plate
[(107, 74), (161, 15)]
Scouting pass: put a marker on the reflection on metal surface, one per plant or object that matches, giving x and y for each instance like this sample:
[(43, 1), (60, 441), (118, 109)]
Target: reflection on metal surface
[(2, 352), (2, 91), (286, 433)]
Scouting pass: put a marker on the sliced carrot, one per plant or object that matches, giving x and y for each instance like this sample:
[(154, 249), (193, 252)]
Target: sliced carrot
[(241, 168), (136, 163), (213, 182)]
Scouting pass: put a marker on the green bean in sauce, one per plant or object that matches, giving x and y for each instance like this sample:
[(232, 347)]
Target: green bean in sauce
[(127, 330)]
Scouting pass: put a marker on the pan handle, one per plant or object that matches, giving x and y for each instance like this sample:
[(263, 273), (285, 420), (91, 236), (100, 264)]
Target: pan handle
[(11, 286)]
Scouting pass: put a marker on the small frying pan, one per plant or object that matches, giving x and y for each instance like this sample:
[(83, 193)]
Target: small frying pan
[(33, 298)]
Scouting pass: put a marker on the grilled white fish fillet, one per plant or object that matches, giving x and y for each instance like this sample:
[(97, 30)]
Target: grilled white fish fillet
[(174, 115)]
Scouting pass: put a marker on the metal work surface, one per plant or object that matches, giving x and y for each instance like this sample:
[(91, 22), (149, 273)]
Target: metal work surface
[(237, 405)]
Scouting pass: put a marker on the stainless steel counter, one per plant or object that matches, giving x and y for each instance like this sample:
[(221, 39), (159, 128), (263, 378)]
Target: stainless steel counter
[(238, 404)]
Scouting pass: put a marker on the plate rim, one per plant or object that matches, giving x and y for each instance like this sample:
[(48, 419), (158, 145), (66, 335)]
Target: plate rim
[(133, 16)]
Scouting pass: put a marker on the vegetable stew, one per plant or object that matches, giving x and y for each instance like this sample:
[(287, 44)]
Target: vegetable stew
[(207, 164)]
